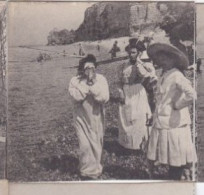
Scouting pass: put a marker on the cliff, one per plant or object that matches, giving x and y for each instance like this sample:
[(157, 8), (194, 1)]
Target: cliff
[(104, 20), (145, 16), (116, 19)]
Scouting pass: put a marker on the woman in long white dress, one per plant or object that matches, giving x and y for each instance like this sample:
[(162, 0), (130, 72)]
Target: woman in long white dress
[(89, 92), (134, 109)]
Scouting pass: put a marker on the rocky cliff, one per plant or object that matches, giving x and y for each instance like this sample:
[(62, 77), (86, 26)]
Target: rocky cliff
[(114, 19), (105, 20), (144, 16)]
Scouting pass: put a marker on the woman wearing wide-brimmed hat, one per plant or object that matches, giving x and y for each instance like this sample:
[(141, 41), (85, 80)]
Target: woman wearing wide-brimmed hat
[(89, 91), (134, 109), (170, 140)]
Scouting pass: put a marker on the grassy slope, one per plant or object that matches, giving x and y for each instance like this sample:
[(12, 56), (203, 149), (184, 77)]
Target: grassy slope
[(42, 144)]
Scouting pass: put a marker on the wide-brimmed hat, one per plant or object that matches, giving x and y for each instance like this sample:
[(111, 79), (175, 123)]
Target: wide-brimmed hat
[(156, 49), (135, 43)]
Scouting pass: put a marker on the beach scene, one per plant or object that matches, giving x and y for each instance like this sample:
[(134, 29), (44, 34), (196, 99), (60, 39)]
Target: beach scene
[(42, 142)]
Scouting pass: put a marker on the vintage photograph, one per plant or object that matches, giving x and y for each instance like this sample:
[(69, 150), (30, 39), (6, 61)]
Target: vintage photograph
[(101, 91), (200, 82)]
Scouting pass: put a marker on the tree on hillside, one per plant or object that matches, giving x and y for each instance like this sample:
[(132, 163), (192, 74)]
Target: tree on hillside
[(178, 22), (61, 37)]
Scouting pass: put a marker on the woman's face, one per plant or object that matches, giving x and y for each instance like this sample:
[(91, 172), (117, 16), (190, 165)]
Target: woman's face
[(89, 71), (133, 54)]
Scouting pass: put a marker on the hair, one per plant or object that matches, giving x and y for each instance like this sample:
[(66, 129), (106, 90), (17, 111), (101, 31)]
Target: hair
[(89, 58)]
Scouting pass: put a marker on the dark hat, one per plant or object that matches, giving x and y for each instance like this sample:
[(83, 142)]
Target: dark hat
[(156, 49), (135, 43)]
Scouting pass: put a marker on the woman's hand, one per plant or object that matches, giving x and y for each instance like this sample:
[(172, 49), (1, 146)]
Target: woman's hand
[(174, 106), (91, 76), (121, 96), (149, 121)]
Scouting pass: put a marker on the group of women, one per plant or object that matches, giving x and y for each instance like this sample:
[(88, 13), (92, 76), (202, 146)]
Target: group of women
[(170, 139)]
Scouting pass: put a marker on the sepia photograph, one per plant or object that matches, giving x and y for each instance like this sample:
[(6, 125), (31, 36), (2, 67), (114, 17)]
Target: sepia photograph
[(101, 91)]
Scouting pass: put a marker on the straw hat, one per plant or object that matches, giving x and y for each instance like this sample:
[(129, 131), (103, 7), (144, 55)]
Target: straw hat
[(156, 49)]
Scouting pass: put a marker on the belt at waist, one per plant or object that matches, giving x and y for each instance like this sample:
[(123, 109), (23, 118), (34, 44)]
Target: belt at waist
[(182, 126)]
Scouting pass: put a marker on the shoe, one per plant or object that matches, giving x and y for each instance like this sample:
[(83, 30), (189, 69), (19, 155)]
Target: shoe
[(87, 178)]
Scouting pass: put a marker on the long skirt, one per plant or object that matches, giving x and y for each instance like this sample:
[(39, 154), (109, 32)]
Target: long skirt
[(89, 125), (133, 116)]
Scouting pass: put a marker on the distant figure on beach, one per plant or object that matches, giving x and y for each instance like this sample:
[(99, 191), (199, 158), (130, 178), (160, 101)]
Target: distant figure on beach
[(98, 47), (89, 91), (43, 57), (81, 50), (199, 63), (40, 57), (190, 52), (64, 53), (114, 50)]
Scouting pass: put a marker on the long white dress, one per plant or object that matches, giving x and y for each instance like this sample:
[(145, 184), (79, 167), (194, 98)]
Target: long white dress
[(134, 111), (170, 140), (89, 122)]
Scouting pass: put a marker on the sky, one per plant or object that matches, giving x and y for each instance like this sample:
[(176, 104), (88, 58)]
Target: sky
[(31, 22)]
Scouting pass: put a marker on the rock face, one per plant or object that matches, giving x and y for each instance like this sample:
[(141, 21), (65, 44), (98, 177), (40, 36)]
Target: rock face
[(115, 19), (144, 16), (105, 20), (62, 37)]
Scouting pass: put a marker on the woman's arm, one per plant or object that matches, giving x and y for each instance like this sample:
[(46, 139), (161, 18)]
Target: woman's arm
[(120, 92), (77, 91), (100, 90), (185, 86), (146, 69)]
